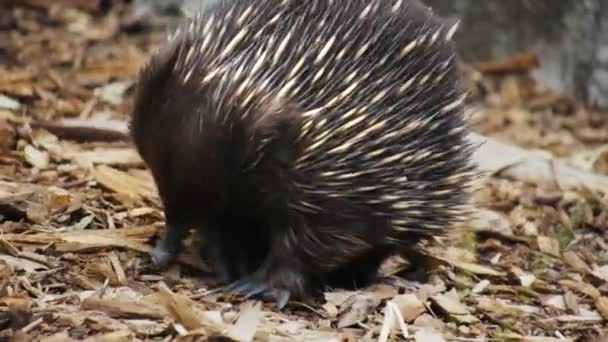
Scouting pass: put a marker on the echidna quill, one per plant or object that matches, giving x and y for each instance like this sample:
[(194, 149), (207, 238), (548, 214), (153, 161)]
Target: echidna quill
[(305, 140)]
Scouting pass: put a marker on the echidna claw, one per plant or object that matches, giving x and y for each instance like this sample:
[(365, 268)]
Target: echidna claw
[(249, 287), (281, 298), (161, 257), (232, 287)]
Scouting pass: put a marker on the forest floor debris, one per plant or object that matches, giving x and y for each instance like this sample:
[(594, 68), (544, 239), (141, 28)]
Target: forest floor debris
[(79, 212)]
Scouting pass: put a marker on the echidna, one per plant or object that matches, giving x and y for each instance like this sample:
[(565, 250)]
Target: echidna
[(305, 140)]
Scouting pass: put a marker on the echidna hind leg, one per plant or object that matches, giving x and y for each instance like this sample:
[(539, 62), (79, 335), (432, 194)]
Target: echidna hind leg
[(360, 272), (420, 265)]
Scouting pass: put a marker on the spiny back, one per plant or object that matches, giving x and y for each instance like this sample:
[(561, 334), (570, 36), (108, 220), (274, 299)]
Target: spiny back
[(376, 90)]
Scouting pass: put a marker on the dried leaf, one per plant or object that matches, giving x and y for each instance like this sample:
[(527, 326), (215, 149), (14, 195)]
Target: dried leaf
[(247, 324), (8, 137), (574, 261), (36, 157), (557, 302), (88, 240), (81, 224), (392, 319), (428, 335), (410, 306), (59, 199), (115, 336), (522, 338), (113, 93), (147, 327), (571, 301), (548, 245), (122, 308), (601, 303), (331, 309), (481, 286), (474, 268), (494, 221), (584, 317), (527, 280), (339, 298), (600, 272), (450, 303), (581, 287), (115, 156), (19, 309), (123, 183), (9, 103), (181, 308), (58, 337), (362, 306), (21, 264)]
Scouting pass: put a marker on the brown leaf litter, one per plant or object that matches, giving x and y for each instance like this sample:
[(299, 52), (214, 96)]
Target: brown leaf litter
[(79, 211)]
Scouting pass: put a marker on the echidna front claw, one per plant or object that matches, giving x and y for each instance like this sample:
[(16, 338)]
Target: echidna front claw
[(247, 287), (251, 287), (232, 287), (166, 250), (161, 257), (281, 298)]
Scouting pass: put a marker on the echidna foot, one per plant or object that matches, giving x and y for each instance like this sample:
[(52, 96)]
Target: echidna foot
[(167, 248), (161, 257), (255, 285)]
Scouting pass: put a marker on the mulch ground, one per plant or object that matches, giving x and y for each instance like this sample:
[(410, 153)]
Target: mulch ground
[(79, 213)]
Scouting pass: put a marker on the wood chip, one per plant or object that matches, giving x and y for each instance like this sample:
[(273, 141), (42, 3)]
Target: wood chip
[(581, 287), (574, 261), (82, 241), (472, 267), (571, 301), (523, 338), (124, 183), (557, 302), (180, 307), (113, 93), (19, 309), (123, 309), (246, 326), (8, 137), (9, 103), (120, 272), (116, 156), (601, 303), (115, 336), (357, 311), (451, 304), (548, 245), (428, 335), (36, 157), (410, 306), (22, 264)]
